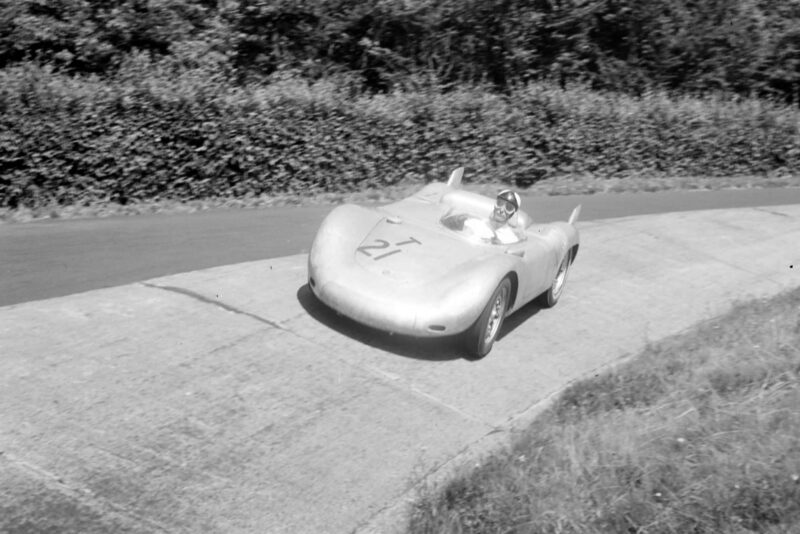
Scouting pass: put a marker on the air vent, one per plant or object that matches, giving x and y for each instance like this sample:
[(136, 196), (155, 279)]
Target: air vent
[(436, 328)]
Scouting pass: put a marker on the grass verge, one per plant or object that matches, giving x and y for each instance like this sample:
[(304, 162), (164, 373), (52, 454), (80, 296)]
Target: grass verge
[(700, 433)]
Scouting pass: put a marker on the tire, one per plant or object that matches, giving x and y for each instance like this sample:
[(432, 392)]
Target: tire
[(550, 297), (478, 340)]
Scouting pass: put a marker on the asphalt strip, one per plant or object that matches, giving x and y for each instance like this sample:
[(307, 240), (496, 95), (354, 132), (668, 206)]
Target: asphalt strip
[(229, 400)]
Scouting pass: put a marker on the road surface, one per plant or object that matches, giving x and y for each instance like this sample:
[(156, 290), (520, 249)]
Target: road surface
[(228, 400), (52, 258)]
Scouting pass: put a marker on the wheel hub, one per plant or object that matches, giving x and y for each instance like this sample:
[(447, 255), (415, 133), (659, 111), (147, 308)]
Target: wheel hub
[(558, 283), (495, 316)]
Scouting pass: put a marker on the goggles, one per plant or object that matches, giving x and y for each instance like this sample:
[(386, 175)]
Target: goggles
[(506, 206)]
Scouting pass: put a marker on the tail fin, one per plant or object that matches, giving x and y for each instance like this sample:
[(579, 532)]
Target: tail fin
[(455, 178), (575, 214)]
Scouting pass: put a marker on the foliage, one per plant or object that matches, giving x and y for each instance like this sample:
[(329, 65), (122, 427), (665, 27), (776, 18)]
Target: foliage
[(161, 131), (750, 47), (95, 35)]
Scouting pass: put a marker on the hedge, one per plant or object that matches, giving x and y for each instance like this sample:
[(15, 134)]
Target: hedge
[(193, 136)]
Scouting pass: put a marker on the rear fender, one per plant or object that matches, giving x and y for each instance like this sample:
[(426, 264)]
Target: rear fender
[(573, 218), (569, 237), (455, 178)]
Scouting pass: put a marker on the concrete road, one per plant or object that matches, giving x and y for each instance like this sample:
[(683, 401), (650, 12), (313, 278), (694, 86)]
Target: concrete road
[(229, 400), (54, 258)]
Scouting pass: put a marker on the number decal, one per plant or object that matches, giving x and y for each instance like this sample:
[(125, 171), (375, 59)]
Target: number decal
[(410, 240), (395, 251), (365, 248), (382, 244)]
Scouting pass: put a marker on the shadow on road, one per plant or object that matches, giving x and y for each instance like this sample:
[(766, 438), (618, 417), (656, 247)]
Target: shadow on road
[(512, 322), (431, 349)]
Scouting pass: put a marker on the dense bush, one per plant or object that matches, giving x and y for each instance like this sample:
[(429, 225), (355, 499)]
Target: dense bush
[(152, 133)]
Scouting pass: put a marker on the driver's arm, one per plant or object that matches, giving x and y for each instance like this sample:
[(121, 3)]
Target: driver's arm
[(479, 228)]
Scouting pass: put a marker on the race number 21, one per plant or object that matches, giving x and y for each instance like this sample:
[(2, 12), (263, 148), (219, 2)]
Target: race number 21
[(382, 244)]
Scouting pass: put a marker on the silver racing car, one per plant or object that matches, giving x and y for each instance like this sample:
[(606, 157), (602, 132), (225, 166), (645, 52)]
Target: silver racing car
[(432, 265)]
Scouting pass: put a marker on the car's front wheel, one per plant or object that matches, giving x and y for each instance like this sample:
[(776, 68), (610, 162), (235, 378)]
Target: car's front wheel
[(480, 338)]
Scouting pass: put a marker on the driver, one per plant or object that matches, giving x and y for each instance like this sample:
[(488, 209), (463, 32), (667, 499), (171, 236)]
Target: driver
[(499, 228)]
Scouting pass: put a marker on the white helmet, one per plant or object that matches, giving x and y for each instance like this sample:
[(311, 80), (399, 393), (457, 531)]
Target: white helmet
[(511, 198)]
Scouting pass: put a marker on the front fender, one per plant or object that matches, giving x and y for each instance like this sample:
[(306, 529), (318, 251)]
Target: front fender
[(338, 236), (467, 292)]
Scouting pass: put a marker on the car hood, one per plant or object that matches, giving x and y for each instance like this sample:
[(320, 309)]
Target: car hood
[(411, 254)]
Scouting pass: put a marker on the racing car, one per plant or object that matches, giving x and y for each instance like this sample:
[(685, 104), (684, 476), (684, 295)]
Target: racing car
[(413, 267)]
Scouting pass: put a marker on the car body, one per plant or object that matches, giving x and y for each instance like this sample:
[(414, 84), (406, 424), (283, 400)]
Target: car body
[(407, 268)]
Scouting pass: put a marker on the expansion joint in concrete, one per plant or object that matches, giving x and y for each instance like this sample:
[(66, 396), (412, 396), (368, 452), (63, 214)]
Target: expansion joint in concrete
[(397, 383), (375, 372), (221, 305), (82, 495), (435, 400), (772, 212)]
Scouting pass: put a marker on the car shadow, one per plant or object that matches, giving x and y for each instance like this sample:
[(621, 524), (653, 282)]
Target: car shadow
[(512, 322), (432, 349)]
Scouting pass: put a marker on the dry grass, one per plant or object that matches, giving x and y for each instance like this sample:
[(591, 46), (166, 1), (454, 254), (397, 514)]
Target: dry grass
[(699, 434)]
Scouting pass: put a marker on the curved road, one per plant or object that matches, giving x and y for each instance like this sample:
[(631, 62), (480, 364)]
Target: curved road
[(229, 400), (54, 258)]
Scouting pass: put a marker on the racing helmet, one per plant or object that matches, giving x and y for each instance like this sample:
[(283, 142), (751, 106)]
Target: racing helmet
[(509, 200)]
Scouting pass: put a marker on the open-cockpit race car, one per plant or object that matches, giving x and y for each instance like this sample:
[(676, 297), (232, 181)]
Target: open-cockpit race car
[(430, 265)]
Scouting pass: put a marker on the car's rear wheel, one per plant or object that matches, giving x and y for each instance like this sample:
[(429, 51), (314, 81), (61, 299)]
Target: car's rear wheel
[(551, 296), (480, 338)]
